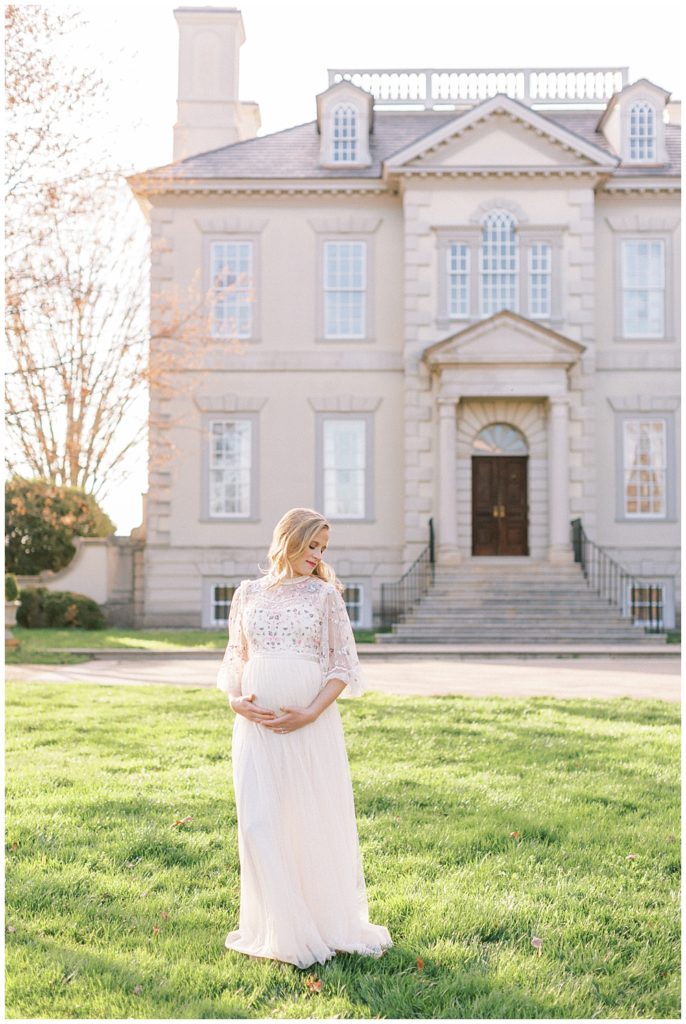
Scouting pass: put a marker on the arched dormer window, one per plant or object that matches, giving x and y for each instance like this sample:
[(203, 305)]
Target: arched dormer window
[(499, 263), (344, 134), (642, 132)]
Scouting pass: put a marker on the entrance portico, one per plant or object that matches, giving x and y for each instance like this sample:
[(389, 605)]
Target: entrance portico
[(506, 370)]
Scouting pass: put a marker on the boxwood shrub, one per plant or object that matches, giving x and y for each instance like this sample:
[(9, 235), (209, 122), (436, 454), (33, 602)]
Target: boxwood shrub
[(57, 609)]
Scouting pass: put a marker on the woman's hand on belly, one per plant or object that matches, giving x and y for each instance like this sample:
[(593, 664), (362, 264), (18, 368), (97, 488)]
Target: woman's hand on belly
[(253, 712), (292, 718)]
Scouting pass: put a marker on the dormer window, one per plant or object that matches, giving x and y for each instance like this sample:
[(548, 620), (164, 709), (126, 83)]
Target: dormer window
[(344, 121), (345, 131), (642, 132)]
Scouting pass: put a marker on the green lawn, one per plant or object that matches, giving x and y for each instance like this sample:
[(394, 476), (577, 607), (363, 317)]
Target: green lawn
[(113, 910), (36, 645)]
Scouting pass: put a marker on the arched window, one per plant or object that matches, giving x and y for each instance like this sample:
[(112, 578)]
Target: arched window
[(642, 132), (500, 439), (345, 133), (499, 263)]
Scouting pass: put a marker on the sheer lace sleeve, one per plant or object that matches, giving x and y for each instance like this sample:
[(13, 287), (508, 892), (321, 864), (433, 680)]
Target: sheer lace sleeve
[(236, 653), (339, 654)]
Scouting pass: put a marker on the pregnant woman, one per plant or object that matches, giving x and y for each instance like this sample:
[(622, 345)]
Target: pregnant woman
[(291, 653)]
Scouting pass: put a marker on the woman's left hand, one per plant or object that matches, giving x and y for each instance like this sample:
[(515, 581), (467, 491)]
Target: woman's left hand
[(291, 719)]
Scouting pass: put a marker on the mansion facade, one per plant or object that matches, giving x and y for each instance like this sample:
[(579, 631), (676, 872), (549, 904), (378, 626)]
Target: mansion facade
[(450, 296)]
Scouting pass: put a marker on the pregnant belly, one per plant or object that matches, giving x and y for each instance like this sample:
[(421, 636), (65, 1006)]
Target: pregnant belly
[(280, 680)]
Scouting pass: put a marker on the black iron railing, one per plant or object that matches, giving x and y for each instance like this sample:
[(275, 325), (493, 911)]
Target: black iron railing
[(398, 598), (640, 600)]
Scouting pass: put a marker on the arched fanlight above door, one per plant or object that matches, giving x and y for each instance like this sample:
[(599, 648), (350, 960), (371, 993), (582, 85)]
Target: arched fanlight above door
[(500, 439)]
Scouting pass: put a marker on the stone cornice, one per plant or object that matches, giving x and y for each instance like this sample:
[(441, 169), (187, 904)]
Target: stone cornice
[(344, 403), (229, 403), (151, 187)]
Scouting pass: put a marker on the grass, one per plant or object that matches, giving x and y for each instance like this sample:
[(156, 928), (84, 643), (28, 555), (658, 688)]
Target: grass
[(53, 646), (96, 777)]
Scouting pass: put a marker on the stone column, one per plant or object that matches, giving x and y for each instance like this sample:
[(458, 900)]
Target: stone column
[(448, 553), (560, 549)]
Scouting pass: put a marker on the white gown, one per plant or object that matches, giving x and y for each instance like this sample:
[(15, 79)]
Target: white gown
[(302, 889)]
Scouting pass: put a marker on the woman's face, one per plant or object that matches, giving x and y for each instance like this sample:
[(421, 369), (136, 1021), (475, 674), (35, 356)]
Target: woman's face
[(313, 554)]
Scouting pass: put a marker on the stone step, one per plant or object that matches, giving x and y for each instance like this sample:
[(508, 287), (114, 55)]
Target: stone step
[(648, 641)]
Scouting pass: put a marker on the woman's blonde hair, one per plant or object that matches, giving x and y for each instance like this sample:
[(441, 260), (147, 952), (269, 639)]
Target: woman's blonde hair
[(292, 536)]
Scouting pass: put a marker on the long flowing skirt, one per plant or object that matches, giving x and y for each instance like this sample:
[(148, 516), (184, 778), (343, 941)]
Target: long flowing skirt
[(303, 895)]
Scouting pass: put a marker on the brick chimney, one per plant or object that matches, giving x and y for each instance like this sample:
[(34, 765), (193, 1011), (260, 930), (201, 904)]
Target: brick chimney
[(209, 113)]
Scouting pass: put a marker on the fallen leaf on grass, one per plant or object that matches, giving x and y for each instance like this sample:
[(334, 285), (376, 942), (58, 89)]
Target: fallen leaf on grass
[(420, 964), (155, 930), (313, 984), (164, 915), (631, 856), (537, 944), (514, 835), (137, 990), (14, 846), (183, 821), (10, 928)]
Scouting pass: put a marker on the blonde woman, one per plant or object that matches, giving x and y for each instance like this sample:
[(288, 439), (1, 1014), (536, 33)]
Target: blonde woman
[(291, 654)]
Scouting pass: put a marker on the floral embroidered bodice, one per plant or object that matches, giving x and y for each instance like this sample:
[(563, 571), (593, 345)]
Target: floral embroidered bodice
[(303, 615)]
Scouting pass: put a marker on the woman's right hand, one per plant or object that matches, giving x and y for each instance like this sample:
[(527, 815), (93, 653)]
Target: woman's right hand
[(253, 712)]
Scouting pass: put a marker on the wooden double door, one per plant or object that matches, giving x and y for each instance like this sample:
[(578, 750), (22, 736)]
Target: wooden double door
[(500, 520)]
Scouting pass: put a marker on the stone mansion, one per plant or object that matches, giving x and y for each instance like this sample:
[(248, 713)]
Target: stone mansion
[(451, 296)]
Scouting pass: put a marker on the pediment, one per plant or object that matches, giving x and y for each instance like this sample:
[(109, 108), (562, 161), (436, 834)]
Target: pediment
[(500, 132), (507, 339)]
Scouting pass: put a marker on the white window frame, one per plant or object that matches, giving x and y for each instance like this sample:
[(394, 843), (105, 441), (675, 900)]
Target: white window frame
[(356, 620), (660, 288), (345, 148), (367, 512), (540, 275), (214, 586), (499, 274), (458, 279), (244, 293), (327, 248), (642, 144), (627, 470), (208, 467)]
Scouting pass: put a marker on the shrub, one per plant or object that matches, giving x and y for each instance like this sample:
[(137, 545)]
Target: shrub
[(11, 587), (41, 521), (55, 609)]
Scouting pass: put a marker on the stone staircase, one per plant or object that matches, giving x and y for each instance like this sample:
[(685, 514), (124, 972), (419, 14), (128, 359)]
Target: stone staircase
[(507, 601)]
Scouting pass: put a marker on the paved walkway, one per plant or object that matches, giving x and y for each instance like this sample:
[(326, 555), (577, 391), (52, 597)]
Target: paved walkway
[(650, 677)]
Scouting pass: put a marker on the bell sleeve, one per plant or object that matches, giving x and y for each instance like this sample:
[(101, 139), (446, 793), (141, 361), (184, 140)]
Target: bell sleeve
[(236, 654), (339, 653)]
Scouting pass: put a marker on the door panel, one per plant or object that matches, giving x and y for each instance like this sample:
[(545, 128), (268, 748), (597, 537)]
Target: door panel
[(499, 505)]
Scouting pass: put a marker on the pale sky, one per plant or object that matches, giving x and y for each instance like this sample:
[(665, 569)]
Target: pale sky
[(290, 45)]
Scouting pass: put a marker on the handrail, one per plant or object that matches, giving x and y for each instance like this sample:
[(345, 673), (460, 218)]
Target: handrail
[(399, 597), (606, 576)]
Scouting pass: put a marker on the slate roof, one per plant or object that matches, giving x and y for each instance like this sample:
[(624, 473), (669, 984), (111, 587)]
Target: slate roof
[(294, 152)]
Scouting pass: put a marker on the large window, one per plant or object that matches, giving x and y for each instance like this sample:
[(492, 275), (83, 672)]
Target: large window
[(230, 464), (458, 279), (645, 468), (540, 275), (642, 132), (231, 290), (344, 467), (345, 133), (345, 283), (499, 261), (643, 288)]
